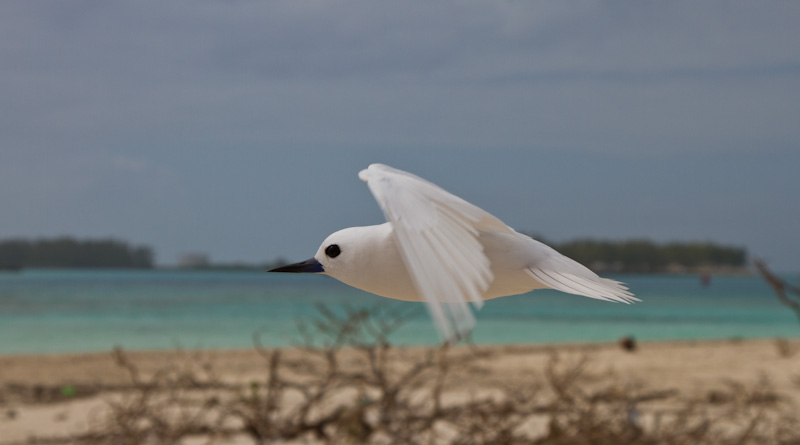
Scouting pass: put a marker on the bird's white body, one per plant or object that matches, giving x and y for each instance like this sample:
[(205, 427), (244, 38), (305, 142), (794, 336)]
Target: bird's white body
[(378, 266), (442, 250)]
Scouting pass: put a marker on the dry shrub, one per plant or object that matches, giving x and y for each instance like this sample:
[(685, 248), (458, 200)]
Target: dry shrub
[(784, 347), (351, 386)]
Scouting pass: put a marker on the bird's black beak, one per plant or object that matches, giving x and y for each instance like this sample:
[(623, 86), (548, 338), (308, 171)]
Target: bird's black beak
[(307, 266)]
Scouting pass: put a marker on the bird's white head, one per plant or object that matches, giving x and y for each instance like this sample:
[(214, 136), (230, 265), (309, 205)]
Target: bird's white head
[(349, 255), (347, 252)]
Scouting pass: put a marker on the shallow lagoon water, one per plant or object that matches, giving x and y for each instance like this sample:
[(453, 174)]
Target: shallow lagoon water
[(50, 311)]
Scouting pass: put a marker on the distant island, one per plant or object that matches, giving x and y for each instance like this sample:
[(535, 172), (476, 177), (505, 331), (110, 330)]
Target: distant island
[(68, 252), (644, 256), (627, 256), (201, 261)]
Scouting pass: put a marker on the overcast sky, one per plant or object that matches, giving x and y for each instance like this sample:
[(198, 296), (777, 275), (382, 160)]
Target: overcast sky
[(237, 128)]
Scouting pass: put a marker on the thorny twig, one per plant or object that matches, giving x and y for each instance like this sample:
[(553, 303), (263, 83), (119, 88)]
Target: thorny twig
[(785, 291)]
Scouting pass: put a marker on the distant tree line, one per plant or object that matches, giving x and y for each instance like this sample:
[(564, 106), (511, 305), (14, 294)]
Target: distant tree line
[(267, 265), (602, 256), (647, 256), (68, 252)]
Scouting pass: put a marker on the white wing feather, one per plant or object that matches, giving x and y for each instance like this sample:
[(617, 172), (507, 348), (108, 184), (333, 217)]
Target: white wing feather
[(562, 273), (429, 225)]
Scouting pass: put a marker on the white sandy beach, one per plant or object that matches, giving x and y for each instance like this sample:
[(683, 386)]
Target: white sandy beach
[(58, 396)]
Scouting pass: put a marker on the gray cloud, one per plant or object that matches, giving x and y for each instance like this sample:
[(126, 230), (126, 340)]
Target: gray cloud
[(170, 121), (339, 73)]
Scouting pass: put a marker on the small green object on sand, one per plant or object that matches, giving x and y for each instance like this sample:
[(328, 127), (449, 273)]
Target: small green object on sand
[(67, 390)]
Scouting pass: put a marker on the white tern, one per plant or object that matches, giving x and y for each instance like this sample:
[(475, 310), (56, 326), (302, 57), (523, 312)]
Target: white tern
[(442, 250)]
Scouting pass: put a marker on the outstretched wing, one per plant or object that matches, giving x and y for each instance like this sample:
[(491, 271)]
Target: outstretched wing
[(437, 236)]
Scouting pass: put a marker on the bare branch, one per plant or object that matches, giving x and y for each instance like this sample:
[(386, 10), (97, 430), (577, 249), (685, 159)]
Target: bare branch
[(782, 289)]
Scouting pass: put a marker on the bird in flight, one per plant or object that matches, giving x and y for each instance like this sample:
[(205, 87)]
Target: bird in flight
[(438, 248)]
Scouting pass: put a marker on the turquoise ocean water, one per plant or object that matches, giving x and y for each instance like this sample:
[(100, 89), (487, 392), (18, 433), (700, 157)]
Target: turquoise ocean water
[(49, 311)]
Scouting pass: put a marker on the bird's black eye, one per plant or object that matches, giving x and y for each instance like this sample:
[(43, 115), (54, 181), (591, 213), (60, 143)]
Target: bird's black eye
[(333, 250)]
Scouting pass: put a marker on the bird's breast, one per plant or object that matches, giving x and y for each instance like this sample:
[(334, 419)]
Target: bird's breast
[(386, 274)]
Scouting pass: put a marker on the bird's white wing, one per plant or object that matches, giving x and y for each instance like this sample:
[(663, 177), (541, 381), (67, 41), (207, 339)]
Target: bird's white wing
[(562, 273), (437, 235)]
